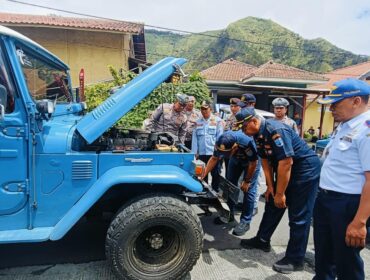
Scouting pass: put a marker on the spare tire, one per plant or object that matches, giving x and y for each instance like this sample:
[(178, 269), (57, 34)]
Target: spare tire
[(154, 237)]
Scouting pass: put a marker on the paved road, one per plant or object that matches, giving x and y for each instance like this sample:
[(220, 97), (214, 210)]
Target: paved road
[(80, 255)]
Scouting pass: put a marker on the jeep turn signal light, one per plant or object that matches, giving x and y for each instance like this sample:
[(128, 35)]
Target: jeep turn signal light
[(199, 167)]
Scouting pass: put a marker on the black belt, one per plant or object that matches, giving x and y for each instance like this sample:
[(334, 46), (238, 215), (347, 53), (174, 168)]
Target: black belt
[(333, 193)]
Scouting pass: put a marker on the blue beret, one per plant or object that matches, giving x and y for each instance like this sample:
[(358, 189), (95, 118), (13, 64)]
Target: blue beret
[(346, 88)]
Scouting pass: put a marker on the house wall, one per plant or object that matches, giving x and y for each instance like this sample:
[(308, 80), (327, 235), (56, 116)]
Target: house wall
[(93, 51), (312, 118)]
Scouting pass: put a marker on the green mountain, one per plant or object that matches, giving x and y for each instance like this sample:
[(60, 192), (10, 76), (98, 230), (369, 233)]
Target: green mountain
[(255, 42)]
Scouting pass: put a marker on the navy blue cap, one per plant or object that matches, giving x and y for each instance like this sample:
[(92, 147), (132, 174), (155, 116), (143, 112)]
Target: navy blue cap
[(225, 142), (346, 88), (246, 98), (245, 114)]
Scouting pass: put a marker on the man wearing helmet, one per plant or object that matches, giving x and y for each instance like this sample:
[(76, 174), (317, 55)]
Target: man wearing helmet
[(280, 111)]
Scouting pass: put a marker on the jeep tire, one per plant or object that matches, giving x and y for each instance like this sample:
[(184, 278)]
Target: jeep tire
[(154, 237)]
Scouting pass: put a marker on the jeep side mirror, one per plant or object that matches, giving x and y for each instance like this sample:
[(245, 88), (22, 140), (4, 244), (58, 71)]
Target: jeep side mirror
[(46, 108), (3, 101)]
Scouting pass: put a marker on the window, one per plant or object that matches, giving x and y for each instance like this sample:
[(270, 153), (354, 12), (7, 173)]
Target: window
[(44, 80), (6, 89)]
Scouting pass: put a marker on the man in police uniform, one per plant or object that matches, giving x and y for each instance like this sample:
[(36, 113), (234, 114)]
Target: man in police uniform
[(280, 111), (296, 168), (170, 118), (208, 129), (192, 115), (234, 108), (343, 203), (242, 152)]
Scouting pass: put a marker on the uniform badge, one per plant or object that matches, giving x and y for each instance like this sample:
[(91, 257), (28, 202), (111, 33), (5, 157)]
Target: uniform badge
[(277, 140), (367, 123), (249, 153)]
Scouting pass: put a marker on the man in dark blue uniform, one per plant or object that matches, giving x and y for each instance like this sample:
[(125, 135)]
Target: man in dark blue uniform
[(292, 176), (242, 152)]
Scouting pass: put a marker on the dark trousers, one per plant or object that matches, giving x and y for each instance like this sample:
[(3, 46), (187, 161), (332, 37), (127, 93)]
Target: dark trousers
[(333, 258), (188, 144), (300, 198), (215, 172), (234, 171)]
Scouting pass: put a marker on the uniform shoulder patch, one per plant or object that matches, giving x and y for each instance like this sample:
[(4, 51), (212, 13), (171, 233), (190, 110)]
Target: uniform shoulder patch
[(277, 140)]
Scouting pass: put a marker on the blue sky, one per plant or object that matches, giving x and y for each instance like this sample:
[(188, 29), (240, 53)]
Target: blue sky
[(343, 23)]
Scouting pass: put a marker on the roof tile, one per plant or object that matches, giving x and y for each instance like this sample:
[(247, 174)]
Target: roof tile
[(228, 70), (353, 71), (280, 71), (69, 22)]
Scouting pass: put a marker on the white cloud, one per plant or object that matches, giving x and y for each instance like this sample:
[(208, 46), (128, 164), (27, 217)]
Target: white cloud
[(344, 23)]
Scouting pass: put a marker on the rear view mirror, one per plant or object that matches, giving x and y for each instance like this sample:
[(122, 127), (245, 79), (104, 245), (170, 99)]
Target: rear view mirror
[(46, 108), (3, 101)]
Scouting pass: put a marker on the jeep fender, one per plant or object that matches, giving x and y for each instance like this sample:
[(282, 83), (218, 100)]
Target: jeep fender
[(159, 174)]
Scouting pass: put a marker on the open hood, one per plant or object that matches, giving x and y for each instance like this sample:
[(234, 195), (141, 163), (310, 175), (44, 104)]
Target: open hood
[(95, 123)]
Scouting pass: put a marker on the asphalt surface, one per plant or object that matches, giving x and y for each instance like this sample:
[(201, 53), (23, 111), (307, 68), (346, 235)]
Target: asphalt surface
[(80, 255)]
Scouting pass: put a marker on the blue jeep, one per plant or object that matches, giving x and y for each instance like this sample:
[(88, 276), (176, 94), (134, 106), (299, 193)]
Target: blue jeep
[(58, 164)]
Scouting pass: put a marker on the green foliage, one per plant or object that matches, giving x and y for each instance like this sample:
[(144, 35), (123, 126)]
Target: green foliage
[(272, 42), (165, 93)]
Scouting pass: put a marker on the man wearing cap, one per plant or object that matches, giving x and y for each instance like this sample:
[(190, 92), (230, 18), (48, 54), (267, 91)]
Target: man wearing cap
[(242, 152), (170, 118), (192, 115), (208, 129), (343, 203), (292, 176), (247, 100), (234, 108), (280, 111)]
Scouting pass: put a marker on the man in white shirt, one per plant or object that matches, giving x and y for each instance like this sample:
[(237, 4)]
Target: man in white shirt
[(343, 204)]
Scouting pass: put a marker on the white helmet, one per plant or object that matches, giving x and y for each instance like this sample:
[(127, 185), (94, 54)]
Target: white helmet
[(280, 102)]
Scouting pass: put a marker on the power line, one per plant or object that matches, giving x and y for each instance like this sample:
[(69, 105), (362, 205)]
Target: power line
[(184, 31), (177, 30)]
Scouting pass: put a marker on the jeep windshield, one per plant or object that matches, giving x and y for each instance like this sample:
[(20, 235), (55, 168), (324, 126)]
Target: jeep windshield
[(44, 80)]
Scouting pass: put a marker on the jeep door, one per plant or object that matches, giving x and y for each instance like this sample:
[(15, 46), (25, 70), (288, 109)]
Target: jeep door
[(13, 143)]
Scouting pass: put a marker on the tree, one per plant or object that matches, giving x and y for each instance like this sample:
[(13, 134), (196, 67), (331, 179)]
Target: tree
[(165, 93)]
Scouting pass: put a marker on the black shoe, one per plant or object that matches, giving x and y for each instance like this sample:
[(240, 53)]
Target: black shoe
[(286, 266), (219, 221), (241, 229), (256, 243)]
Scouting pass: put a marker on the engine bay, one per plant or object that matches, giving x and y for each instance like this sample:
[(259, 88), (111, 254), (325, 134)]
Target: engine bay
[(120, 140)]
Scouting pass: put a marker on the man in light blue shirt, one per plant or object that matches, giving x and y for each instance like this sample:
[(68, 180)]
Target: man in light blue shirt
[(343, 204), (207, 129)]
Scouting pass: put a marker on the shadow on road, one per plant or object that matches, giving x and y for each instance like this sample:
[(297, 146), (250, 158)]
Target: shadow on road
[(84, 243)]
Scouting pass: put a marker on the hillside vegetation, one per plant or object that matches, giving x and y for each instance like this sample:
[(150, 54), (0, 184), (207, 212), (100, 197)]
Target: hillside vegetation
[(257, 41)]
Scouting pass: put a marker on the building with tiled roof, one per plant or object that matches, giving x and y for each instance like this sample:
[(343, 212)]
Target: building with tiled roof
[(275, 72), (232, 78), (71, 22), (229, 70), (358, 71), (91, 44)]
